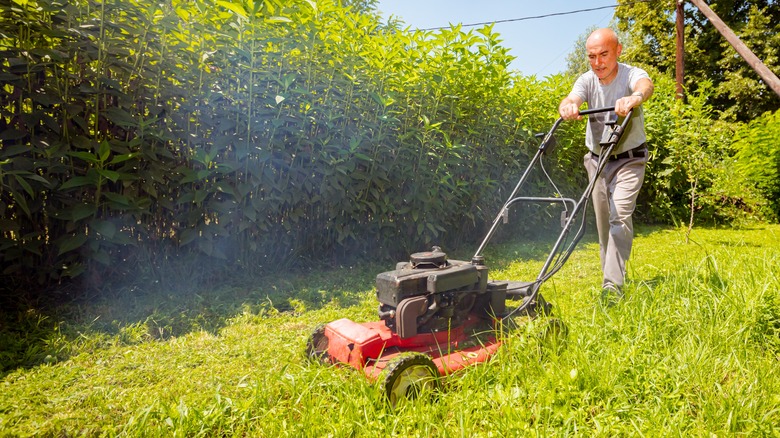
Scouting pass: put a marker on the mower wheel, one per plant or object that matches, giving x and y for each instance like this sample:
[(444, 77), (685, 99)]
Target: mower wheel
[(408, 376), (317, 346)]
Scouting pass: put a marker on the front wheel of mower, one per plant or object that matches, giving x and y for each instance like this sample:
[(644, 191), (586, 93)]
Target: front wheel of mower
[(408, 376)]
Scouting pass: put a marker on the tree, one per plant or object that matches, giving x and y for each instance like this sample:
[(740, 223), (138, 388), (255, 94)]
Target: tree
[(361, 6), (576, 60), (740, 82), (651, 31)]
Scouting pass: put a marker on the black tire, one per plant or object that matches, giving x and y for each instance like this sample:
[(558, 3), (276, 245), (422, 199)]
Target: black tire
[(317, 346), (408, 376)]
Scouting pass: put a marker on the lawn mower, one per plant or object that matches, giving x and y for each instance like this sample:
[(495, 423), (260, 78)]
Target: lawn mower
[(437, 316)]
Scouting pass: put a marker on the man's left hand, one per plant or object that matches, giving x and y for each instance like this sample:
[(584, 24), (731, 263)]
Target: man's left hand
[(625, 104)]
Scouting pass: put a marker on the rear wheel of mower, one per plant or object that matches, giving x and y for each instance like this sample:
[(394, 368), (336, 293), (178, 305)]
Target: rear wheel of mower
[(408, 376), (317, 345)]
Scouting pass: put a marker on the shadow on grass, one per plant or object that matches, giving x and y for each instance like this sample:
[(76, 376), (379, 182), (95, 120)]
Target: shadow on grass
[(78, 318), (49, 329)]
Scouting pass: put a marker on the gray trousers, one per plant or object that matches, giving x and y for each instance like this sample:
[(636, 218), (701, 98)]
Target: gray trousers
[(614, 199)]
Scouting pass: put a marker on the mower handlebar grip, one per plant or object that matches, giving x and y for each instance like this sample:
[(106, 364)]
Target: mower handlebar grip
[(597, 110)]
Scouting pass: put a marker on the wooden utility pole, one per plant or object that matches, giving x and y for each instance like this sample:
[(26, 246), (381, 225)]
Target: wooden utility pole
[(680, 60), (769, 78)]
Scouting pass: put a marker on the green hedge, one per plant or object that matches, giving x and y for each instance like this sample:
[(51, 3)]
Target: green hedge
[(137, 137), (193, 139)]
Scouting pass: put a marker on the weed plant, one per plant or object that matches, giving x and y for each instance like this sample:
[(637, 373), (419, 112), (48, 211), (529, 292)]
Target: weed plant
[(691, 350)]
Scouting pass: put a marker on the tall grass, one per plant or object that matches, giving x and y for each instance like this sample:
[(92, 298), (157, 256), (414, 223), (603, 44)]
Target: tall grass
[(692, 350)]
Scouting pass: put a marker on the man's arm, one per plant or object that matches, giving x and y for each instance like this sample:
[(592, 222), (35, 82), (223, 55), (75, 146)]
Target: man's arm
[(642, 91), (569, 108)]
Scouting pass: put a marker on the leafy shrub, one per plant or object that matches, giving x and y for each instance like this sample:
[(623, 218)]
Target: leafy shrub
[(690, 174), (192, 139), (757, 157)]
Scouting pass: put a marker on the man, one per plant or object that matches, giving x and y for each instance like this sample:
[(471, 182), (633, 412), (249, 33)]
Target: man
[(610, 83)]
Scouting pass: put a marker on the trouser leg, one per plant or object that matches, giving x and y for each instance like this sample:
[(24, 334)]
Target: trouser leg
[(600, 203), (614, 200)]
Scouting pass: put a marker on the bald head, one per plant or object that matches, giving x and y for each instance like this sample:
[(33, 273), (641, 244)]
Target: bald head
[(603, 51), (605, 36)]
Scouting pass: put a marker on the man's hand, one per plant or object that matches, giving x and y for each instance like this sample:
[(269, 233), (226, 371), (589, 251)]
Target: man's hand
[(642, 91), (625, 104), (569, 109)]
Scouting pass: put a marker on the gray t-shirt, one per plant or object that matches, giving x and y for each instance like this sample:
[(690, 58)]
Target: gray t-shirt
[(590, 90)]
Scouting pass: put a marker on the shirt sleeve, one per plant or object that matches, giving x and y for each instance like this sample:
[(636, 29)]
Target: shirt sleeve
[(634, 75), (580, 88)]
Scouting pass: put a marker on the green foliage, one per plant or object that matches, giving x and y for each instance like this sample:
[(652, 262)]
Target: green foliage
[(720, 192), (738, 93), (659, 198), (741, 86), (757, 157), (239, 134), (647, 34), (690, 174), (695, 147)]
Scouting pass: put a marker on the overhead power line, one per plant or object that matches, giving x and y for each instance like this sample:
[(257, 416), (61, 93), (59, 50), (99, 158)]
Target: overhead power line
[(536, 17)]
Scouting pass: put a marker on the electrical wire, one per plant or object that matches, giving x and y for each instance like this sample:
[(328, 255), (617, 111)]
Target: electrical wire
[(536, 17)]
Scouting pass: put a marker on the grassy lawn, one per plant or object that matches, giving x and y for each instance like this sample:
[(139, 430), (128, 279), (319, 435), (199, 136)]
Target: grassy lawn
[(693, 349)]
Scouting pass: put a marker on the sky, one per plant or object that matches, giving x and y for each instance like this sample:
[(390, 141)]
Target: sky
[(540, 46)]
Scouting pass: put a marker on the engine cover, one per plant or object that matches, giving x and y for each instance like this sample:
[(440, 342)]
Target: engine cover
[(430, 293), (394, 286)]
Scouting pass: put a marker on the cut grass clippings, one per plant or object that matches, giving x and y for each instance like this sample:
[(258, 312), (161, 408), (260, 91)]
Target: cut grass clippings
[(691, 350)]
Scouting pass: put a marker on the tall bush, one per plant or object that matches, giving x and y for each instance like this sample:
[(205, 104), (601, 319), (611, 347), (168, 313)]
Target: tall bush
[(757, 157), (193, 139), (141, 138), (691, 177)]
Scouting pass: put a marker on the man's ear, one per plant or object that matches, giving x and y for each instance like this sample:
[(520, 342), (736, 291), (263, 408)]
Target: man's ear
[(619, 49)]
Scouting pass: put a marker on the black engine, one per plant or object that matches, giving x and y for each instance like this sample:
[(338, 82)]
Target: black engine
[(430, 293)]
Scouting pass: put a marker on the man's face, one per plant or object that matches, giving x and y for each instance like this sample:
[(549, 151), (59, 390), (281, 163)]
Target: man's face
[(603, 55)]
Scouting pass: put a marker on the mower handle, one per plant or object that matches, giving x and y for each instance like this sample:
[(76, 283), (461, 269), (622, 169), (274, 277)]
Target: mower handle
[(547, 136), (597, 110), (614, 138)]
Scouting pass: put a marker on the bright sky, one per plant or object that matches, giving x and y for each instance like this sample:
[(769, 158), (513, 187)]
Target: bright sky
[(539, 45)]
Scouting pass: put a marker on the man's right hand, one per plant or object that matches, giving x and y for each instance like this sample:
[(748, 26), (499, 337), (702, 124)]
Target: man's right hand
[(569, 111)]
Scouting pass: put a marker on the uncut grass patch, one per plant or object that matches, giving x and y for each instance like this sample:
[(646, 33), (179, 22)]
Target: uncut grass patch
[(691, 350)]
